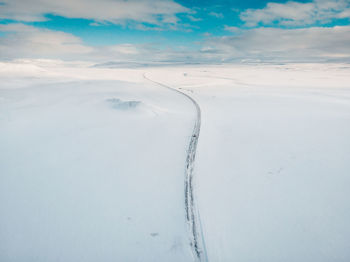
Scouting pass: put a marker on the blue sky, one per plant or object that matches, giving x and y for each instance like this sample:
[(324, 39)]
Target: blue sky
[(180, 26)]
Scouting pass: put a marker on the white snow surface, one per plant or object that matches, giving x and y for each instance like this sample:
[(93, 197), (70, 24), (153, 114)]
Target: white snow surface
[(92, 162)]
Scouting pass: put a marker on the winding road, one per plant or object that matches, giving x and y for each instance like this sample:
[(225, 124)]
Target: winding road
[(197, 240)]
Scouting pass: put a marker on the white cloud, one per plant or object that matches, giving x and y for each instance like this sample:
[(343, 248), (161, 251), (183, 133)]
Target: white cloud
[(344, 14), (217, 15), (23, 41), (126, 49), (194, 19), (156, 12), (232, 29), (307, 44), (296, 13)]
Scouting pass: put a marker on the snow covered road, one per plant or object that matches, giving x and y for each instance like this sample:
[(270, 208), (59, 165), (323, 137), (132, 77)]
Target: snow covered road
[(192, 213)]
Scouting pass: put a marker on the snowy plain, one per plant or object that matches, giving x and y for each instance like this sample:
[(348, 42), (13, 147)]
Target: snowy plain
[(92, 162)]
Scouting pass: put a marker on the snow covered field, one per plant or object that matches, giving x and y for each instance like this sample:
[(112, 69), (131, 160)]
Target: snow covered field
[(92, 162)]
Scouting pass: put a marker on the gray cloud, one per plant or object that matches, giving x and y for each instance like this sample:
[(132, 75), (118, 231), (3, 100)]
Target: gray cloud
[(297, 14), (158, 12)]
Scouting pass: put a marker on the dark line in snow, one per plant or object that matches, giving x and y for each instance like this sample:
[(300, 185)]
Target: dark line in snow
[(192, 214)]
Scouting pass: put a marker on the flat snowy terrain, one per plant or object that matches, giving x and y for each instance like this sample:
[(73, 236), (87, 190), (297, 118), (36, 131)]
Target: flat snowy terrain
[(93, 161)]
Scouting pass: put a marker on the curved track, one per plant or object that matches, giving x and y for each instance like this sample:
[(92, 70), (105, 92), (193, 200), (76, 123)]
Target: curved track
[(192, 215)]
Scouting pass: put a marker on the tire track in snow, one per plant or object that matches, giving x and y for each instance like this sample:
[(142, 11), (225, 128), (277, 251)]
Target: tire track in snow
[(192, 214)]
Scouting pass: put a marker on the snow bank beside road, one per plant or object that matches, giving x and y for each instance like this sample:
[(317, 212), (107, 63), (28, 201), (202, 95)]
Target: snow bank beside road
[(89, 175)]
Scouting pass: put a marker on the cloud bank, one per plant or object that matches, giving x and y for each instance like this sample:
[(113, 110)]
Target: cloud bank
[(306, 44), (313, 44), (23, 41)]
